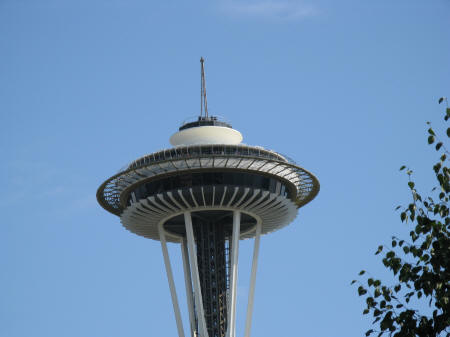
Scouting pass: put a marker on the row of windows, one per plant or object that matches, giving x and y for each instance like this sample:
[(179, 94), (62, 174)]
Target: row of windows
[(208, 179), (205, 121)]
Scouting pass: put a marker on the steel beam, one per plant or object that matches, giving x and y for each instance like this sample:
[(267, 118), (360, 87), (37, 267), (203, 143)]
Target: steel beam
[(251, 292), (188, 283), (194, 272), (234, 273), (173, 292)]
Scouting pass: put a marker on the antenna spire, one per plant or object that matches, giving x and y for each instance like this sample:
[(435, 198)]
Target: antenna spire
[(203, 100)]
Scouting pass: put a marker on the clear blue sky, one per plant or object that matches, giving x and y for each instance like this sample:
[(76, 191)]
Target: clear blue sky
[(344, 87)]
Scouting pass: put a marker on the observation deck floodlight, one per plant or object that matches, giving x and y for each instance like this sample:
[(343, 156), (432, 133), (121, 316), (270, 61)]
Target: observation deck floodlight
[(207, 193)]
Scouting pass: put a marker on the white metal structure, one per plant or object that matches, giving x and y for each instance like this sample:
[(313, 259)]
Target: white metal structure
[(206, 194), (206, 135)]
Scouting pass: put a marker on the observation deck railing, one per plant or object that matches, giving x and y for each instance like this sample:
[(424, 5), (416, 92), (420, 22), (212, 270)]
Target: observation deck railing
[(195, 151)]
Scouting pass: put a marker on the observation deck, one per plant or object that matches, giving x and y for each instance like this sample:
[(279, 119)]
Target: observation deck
[(201, 177)]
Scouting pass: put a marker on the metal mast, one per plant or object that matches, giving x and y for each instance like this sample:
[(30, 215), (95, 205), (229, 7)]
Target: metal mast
[(203, 100)]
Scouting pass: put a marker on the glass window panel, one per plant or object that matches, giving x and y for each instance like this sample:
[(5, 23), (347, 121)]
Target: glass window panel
[(196, 179), (265, 183), (211, 178), (208, 178), (228, 178), (218, 178)]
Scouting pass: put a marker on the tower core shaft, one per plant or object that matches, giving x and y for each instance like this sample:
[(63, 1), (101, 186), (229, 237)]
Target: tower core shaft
[(212, 257)]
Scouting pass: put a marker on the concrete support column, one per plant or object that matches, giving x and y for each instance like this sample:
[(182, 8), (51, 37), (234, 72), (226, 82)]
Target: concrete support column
[(188, 283), (251, 292), (173, 292), (195, 276), (234, 274)]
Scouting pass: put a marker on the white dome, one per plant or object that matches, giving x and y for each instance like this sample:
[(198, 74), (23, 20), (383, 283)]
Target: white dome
[(206, 135)]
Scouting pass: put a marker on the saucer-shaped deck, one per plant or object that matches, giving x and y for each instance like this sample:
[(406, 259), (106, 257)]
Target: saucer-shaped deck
[(158, 187)]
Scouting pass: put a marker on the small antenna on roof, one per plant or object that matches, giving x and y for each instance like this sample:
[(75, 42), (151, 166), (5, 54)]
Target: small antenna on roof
[(203, 100)]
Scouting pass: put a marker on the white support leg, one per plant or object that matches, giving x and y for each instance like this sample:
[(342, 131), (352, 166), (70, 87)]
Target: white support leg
[(188, 282), (251, 292), (196, 278), (234, 274), (173, 292)]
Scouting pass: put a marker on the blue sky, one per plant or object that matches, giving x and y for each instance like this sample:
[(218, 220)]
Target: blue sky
[(343, 87)]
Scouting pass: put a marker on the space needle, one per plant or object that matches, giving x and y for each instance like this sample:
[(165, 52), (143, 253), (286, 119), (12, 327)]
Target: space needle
[(206, 193)]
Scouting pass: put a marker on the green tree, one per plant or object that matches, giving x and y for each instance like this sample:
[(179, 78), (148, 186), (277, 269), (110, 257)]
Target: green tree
[(420, 264)]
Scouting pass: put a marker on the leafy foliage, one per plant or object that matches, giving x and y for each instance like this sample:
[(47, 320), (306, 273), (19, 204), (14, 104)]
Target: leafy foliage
[(420, 264)]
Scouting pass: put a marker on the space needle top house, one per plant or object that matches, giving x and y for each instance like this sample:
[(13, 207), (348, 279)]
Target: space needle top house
[(208, 192)]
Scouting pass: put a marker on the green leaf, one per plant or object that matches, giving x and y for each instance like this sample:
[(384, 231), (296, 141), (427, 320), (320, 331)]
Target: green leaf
[(411, 184), (441, 100), (377, 292), (362, 272), (366, 311), (448, 130), (437, 167), (380, 248), (368, 332), (361, 291), (353, 282), (431, 132), (438, 146), (431, 138), (403, 216), (402, 168)]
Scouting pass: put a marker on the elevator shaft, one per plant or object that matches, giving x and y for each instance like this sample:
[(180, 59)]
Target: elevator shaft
[(212, 257)]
